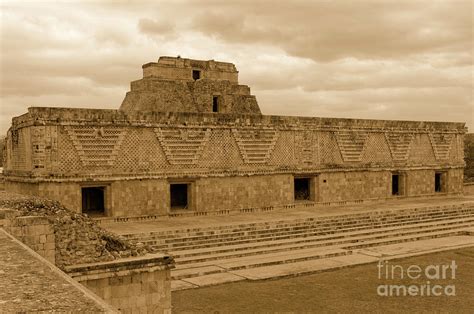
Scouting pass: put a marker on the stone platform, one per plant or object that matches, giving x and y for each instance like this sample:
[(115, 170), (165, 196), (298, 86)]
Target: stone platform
[(219, 249), (135, 225), (29, 283)]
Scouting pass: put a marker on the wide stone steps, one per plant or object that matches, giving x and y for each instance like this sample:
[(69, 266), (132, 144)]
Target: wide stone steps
[(211, 266), (253, 232), (315, 241), (290, 236), (264, 260), (310, 226), (187, 236), (377, 216), (221, 250), (373, 237)]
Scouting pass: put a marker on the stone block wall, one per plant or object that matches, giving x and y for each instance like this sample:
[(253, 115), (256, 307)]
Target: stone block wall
[(420, 182), (144, 150), (139, 284), (153, 94), (68, 193), (455, 181), (139, 197), (243, 192), (173, 68), (18, 148), (233, 161), (469, 157), (353, 185), (34, 231), (135, 285), (185, 85), (151, 197)]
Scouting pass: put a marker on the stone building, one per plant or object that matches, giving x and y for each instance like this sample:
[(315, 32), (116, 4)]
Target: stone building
[(188, 139), (469, 157)]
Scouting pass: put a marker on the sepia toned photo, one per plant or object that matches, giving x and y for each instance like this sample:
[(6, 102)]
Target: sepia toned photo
[(237, 156)]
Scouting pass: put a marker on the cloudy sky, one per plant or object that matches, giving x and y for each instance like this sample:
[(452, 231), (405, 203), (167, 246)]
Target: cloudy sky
[(408, 60)]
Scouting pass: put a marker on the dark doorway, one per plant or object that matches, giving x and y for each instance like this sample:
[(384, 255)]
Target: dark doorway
[(438, 185), (179, 196), (196, 74), (302, 189), (395, 184), (93, 200), (215, 104)]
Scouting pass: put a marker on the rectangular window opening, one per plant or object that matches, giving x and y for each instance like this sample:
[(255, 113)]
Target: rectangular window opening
[(438, 182), (395, 184), (196, 74), (93, 200), (215, 104), (179, 196), (302, 189)]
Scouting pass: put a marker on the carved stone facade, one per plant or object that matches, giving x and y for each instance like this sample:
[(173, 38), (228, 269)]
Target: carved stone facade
[(469, 157), (158, 157)]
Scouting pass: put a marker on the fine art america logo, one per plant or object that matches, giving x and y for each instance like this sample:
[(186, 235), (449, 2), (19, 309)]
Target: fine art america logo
[(430, 280)]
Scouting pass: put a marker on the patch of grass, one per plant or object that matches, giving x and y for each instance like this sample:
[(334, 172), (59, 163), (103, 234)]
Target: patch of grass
[(349, 290)]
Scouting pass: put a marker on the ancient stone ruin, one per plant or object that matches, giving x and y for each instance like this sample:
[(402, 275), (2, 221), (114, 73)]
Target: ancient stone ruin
[(189, 140), (469, 157)]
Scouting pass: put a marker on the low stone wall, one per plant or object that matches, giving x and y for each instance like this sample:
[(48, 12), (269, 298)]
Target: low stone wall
[(139, 284), (34, 231)]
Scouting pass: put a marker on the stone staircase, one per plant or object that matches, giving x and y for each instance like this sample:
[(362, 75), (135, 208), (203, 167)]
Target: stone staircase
[(226, 248)]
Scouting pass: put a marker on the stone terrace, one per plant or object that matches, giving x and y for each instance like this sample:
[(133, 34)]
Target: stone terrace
[(212, 250), (28, 283), (124, 226)]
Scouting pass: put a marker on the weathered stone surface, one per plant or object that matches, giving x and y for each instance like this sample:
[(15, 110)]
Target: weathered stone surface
[(169, 86), (50, 228), (29, 285), (131, 284)]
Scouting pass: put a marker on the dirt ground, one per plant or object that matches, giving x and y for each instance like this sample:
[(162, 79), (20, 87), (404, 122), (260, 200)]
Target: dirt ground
[(350, 290)]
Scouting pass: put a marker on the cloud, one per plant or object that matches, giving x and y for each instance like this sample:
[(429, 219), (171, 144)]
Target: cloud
[(354, 74), (446, 104), (331, 30), (360, 59), (116, 38), (155, 27)]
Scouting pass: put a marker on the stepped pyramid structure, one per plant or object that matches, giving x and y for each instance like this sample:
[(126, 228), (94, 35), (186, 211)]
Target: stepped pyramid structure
[(188, 139)]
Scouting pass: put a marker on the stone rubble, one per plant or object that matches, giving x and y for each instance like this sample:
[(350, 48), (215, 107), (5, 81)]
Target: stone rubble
[(79, 239)]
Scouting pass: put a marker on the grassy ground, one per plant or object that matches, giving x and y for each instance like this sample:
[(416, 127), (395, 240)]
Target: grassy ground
[(351, 290)]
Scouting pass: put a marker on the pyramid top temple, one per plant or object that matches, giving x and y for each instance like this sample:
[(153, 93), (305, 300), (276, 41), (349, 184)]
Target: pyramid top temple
[(175, 84)]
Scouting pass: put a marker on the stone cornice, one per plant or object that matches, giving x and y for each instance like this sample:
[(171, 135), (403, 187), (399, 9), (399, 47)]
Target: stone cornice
[(209, 174), (100, 117)]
